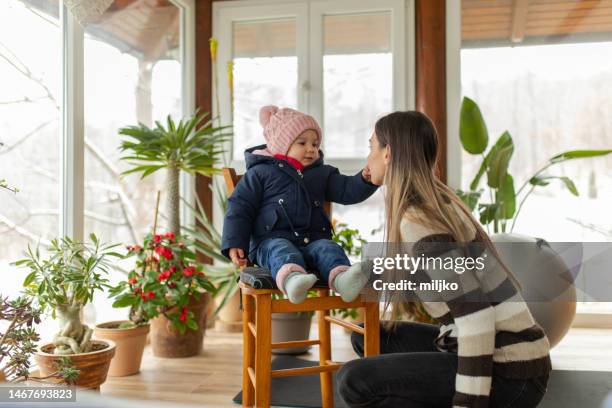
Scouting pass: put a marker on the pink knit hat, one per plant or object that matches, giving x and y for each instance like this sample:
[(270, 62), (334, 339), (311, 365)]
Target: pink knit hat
[(283, 126)]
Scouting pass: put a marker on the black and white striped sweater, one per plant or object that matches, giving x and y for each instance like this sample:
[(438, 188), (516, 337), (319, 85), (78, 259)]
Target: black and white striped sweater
[(487, 323)]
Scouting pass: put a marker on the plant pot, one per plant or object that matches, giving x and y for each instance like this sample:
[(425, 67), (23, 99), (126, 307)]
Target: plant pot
[(168, 342), (541, 270), (130, 346), (93, 366), (229, 318), (2, 376), (291, 327)]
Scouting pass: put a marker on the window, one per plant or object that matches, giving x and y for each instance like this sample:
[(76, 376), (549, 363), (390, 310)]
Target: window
[(130, 78), (113, 77), (357, 80), (344, 62), (544, 74), (30, 56), (265, 72)]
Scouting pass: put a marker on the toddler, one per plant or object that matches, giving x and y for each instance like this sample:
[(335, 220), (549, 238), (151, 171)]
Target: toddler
[(275, 216)]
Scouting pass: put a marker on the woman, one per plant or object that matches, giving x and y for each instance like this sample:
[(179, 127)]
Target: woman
[(488, 351)]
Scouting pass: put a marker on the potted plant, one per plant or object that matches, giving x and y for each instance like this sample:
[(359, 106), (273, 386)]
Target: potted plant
[(130, 336), (191, 145), (64, 282), (168, 288), (504, 206)]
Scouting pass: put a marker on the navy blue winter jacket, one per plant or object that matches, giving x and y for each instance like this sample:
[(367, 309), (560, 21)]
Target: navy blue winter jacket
[(275, 200)]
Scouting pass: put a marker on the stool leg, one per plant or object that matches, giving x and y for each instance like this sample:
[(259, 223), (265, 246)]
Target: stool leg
[(372, 329), (327, 385), (263, 350), (248, 351)]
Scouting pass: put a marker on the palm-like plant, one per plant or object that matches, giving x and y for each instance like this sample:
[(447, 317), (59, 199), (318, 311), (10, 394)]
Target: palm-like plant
[(191, 145)]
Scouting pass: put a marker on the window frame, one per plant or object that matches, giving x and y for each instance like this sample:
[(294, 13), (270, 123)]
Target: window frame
[(72, 118), (454, 149), (309, 50)]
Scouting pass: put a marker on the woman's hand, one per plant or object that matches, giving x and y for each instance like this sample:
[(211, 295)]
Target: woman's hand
[(366, 174), (237, 256)]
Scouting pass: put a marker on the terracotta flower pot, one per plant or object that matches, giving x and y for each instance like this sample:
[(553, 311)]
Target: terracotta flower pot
[(290, 327), (2, 376), (230, 316), (130, 346), (167, 341), (93, 366)]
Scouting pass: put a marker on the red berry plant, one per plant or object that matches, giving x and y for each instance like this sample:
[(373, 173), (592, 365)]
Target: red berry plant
[(165, 278)]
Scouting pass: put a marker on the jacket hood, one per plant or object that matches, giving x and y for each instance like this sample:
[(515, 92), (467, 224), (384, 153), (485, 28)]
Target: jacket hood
[(252, 159)]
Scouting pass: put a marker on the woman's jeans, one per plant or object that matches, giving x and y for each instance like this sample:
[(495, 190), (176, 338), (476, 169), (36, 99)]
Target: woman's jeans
[(411, 372), (322, 255)]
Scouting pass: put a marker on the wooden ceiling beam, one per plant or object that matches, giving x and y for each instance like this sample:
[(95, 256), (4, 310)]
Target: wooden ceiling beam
[(519, 20)]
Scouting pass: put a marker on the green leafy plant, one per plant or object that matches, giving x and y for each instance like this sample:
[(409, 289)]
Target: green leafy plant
[(191, 145), (163, 281), (504, 201), (64, 282), (19, 340)]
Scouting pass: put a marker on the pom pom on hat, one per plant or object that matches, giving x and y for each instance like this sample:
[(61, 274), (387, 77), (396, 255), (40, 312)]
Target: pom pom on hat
[(266, 113)]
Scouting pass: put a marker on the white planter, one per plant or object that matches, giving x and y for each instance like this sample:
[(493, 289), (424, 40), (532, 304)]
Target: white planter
[(291, 327)]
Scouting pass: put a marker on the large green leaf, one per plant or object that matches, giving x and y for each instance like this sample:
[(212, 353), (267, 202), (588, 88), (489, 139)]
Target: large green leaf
[(470, 198), (507, 198), (488, 212), (472, 128), (498, 160), (538, 181), (578, 154), (569, 184)]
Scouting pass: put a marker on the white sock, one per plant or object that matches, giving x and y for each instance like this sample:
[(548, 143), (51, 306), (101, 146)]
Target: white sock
[(297, 284), (350, 282)]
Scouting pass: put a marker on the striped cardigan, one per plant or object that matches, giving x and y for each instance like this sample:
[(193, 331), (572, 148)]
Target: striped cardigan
[(491, 337)]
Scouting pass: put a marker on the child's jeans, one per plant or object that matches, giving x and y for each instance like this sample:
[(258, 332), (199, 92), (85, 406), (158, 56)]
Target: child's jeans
[(324, 255)]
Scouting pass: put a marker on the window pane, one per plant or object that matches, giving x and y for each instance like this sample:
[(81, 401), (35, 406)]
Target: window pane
[(357, 80), (30, 68), (547, 79), (265, 73), (131, 76)]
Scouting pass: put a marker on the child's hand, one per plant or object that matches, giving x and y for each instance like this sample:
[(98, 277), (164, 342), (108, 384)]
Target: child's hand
[(366, 174), (237, 256)]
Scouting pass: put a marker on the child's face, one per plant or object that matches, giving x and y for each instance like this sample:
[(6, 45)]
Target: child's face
[(305, 148)]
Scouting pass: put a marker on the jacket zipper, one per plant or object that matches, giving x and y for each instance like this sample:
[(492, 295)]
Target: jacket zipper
[(280, 202)]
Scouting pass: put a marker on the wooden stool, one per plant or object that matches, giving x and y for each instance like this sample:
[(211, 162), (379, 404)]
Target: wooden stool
[(257, 308)]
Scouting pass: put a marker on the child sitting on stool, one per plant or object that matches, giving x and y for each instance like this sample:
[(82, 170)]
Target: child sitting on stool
[(276, 212)]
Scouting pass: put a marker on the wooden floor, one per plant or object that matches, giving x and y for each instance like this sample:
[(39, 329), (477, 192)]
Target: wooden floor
[(214, 377)]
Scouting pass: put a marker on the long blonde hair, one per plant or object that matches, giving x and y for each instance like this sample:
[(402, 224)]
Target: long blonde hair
[(411, 182)]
